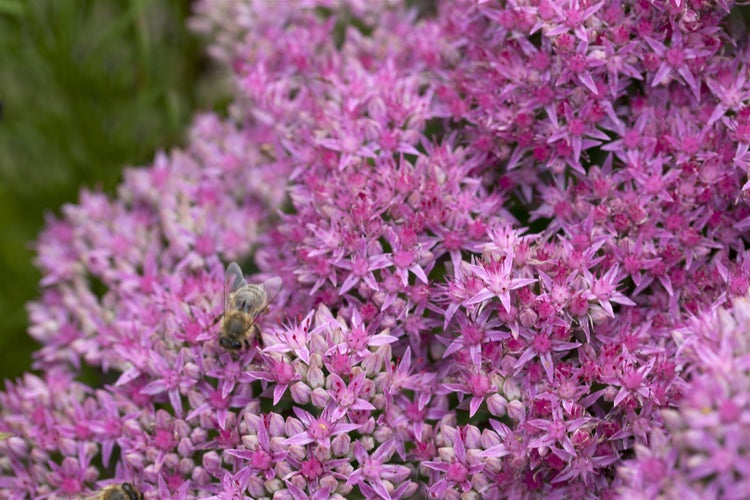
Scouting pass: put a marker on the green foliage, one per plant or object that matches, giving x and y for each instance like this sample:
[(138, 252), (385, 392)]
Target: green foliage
[(87, 87)]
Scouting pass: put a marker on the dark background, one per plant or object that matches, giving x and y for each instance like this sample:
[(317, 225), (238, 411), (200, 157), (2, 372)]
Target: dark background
[(87, 88)]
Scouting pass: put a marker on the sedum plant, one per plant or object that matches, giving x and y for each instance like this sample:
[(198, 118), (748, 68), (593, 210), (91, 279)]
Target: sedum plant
[(511, 237)]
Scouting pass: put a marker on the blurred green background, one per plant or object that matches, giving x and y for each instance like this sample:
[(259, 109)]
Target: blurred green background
[(87, 88)]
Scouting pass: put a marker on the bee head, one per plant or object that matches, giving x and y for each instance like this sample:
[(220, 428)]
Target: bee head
[(131, 492), (126, 491), (230, 344)]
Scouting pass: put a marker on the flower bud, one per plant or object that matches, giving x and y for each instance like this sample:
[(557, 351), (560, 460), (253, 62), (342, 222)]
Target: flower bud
[(317, 343), (316, 360), (315, 377), (273, 485), (252, 421), (516, 410), (68, 446), (277, 444), (322, 453), (672, 419), (300, 369), (171, 460), (329, 481), (511, 389), (283, 495), (367, 443), (150, 473), (490, 439), (383, 434), (212, 462), (297, 452), (18, 447), (200, 476), (470, 495), (300, 393), (299, 481), (191, 370), (344, 489), (292, 427), (496, 405), (388, 321), (373, 364), (198, 435), (135, 460), (497, 380), (368, 427), (528, 317), (472, 456), (597, 314), (340, 444), (319, 397), (282, 468), (185, 466), (378, 401), (364, 290), (250, 441), (277, 425), (492, 464), (507, 364), (446, 453), (182, 428), (185, 447), (255, 487), (610, 393), (473, 437)]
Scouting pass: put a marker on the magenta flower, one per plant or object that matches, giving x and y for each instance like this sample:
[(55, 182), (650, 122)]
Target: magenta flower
[(320, 429), (375, 475), (475, 383), (506, 215), (498, 283), (458, 471), (278, 371)]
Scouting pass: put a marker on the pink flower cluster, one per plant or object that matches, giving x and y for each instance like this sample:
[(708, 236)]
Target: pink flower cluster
[(505, 231), (702, 451)]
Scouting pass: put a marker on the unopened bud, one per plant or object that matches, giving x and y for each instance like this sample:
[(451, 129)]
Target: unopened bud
[(315, 377), (511, 389), (516, 411), (340, 444), (199, 475), (300, 393), (273, 485), (496, 405), (319, 397)]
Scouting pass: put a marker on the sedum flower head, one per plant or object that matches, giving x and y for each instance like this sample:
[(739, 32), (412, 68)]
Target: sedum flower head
[(493, 223), (704, 447)]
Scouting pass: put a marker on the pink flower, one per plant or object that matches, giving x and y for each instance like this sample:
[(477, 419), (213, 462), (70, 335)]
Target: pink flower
[(516, 203), (320, 429)]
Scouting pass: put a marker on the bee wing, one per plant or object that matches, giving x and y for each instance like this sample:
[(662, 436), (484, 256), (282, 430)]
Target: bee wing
[(233, 281), (271, 286), (234, 277), (98, 495)]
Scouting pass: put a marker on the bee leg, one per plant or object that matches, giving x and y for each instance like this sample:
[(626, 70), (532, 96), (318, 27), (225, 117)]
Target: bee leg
[(254, 336), (217, 319)]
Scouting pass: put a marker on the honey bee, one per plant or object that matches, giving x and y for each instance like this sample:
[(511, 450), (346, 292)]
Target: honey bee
[(124, 491), (242, 305)]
